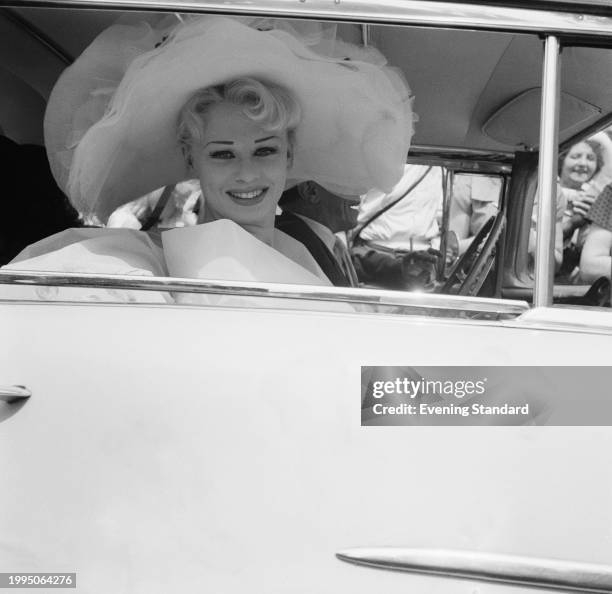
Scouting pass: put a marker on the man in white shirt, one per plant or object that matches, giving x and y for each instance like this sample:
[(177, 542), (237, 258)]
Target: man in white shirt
[(398, 249)]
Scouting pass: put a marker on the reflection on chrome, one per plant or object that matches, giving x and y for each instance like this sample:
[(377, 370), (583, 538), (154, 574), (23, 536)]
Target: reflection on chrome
[(554, 574), (424, 303), (417, 12)]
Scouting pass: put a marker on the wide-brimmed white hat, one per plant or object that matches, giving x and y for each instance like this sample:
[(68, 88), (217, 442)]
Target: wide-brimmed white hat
[(111, 121)]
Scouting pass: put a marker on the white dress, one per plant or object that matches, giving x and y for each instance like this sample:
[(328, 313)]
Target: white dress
[(221, 250)]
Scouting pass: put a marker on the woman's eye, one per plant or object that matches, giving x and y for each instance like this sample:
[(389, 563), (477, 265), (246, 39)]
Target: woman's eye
[(222, 155), (264, 151)]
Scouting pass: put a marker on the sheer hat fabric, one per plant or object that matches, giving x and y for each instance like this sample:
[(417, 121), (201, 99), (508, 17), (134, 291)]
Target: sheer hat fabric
[(110, 125)]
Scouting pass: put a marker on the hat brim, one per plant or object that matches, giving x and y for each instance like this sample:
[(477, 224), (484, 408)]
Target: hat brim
[(353, 136)]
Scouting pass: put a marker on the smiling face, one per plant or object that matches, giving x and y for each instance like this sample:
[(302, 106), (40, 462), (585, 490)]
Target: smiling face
[(242, 167), (579, 166)]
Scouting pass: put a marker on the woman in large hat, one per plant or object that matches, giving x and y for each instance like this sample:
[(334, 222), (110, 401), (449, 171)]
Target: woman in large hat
[(247, 111)]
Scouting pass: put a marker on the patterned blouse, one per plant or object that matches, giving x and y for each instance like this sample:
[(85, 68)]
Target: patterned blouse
[(601, 211)]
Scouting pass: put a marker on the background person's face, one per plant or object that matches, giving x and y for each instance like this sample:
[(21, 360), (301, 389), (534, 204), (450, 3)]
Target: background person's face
[(242, 167), (340, 212), (579, 165)]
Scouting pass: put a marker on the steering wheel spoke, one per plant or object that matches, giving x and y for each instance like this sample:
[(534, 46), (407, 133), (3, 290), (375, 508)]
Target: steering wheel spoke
[(465, 277)]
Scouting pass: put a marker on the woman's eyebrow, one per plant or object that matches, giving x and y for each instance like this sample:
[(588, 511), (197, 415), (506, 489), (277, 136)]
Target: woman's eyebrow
[(219, 142), (232, 142)]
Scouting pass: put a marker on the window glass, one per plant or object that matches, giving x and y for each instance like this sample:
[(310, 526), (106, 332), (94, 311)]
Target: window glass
[(583, 229), (401, 236), (585, 172), (468, 95)]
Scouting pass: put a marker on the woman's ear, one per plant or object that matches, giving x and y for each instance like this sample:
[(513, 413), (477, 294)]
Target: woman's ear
[(289, 158), (308, 191)]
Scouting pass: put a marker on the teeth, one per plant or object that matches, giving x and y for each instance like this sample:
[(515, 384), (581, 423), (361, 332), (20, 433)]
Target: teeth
[(247, 195)]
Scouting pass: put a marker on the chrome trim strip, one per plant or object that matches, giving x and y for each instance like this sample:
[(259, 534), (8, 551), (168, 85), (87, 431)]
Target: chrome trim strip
[(471, 167), (414, 12), (256, 289), (594, 320), (14, 393), (565, 328), (448, 181), (462, 153), (567, 576), (458, 159), (547, 174)]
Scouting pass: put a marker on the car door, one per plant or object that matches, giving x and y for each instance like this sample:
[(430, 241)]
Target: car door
[(219, 450)]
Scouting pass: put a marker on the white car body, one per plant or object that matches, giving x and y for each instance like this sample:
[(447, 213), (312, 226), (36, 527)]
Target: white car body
[(219, 449)]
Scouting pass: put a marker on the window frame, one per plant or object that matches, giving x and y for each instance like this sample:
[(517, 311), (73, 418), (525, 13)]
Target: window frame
[(429, 13)]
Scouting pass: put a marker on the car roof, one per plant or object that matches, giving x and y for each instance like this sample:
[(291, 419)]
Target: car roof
[(476, 90)]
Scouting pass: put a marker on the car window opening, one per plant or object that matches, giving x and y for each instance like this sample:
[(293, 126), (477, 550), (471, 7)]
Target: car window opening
[(423, 235)]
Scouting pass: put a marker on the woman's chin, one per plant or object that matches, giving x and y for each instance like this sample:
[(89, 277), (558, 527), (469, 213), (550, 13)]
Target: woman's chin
[(574, 183)]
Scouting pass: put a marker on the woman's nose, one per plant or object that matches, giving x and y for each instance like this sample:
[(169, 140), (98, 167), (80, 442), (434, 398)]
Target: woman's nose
[(247, 171)]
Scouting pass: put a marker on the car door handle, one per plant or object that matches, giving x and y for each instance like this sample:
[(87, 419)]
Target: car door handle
[(552, 574), (14, 393)]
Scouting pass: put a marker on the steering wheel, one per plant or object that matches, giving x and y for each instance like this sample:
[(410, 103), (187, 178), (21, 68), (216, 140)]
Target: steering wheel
[(469, 268)]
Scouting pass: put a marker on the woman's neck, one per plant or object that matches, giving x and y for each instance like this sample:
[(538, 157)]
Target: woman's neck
[(265, 233), (572, 185)]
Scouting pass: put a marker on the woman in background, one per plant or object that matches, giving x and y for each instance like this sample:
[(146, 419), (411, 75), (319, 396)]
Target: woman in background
[(581, 172)]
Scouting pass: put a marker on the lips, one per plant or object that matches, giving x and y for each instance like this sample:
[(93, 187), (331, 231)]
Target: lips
[(581, 171), (247, 197)]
